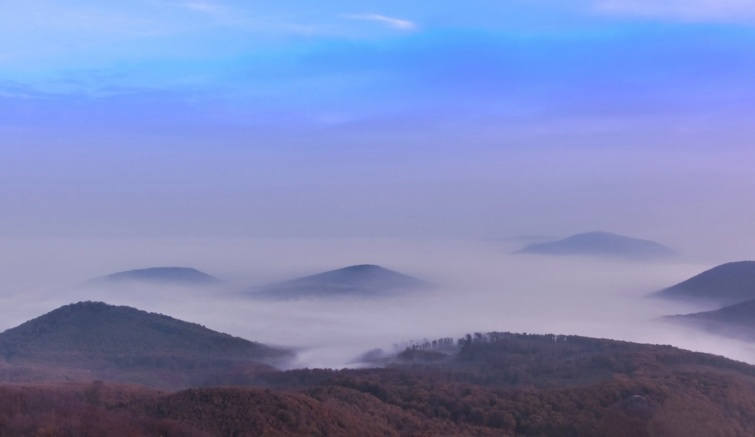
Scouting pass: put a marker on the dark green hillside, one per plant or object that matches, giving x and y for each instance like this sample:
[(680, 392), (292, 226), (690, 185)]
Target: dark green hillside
[(97, 329), (123, 341)]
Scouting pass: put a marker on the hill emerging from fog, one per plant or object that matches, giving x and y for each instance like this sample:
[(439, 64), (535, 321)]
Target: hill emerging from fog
[(602, 244), (356, 281), (736, 321), (124, 344), (160, 276), (494, 384), (726, 284)]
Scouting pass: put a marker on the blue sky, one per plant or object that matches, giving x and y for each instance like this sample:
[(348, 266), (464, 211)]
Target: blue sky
[(261, 63), (371, 118), (166, 65)]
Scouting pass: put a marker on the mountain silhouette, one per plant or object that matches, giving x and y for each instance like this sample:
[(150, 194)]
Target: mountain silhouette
[(159, 275), (602, 244), (737, 321), (726, 284), (360, 280), (126, 344)]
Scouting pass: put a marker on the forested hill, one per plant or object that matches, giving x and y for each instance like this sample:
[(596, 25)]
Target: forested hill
[(515, 384), (504, 358), (123, 343), (494, 384), (99, 329)]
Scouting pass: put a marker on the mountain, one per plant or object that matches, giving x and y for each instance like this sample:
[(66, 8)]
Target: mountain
[(159, 275), (125, 344), (737, 321), (491, 384), (602, 244), (361, 280), (726, 284)]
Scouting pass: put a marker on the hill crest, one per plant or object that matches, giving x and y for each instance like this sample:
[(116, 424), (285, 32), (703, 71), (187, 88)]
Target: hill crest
[(97, 328), (726, 284), (735, 321), (159, 275), (125, 344), (603, 244), (363, 280)]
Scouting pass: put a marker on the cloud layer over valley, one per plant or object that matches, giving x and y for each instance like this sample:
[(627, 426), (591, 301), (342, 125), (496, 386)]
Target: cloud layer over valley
[(484, 288)]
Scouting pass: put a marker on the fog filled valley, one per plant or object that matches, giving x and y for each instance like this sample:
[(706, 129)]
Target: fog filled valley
[(479, 286), (470, 338)]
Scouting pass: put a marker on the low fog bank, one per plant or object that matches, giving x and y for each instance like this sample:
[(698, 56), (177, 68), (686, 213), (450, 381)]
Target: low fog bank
[(484, 288)]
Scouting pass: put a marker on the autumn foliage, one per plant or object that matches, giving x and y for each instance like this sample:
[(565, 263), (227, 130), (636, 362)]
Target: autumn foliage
[(494, 384)]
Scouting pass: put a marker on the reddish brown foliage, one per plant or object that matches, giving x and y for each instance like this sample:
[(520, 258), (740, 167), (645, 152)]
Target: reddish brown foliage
[(497, 385)]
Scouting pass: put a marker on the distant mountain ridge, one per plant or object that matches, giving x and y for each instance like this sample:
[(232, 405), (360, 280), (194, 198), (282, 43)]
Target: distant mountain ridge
[(737, 321), (159, 275), (134, 345), (365, 280), (602, 244), (96, 328), (725, 284)]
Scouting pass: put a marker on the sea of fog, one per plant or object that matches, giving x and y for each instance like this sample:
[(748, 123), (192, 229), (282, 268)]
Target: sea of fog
[(481, 287)]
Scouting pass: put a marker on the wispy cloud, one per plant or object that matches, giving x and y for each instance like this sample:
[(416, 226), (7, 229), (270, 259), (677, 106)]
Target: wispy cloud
[(204, 6), (396, 23), (15, 90), (693, 10)]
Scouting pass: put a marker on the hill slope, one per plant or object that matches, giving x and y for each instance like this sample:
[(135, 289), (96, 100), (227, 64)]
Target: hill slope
[(725, 284), (159, 276), (602, 244), (125, 344), (737, 321), (495, 384), (358, 281)]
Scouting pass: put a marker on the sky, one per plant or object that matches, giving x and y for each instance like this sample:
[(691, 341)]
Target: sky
[(158, 118), (264, 140)]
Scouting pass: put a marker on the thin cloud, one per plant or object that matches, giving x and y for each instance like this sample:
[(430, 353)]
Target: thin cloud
[(396, 23), (203, 6), (692, 10), (18, 91)]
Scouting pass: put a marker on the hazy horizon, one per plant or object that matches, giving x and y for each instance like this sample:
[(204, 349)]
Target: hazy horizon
[(483, 287)]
